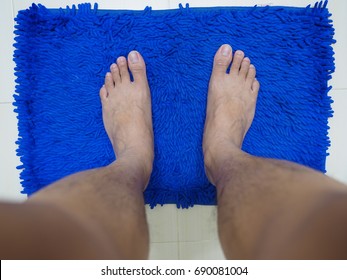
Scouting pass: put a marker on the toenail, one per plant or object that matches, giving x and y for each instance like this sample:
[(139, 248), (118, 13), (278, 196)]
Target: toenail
[(108, 74), (113, 66), (251, 66), (134, 57), (239, 53), (226, 50), (246, 58), (121, 60)]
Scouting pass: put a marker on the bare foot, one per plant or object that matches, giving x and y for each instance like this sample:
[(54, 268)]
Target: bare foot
[(231, 103), (126, 110)]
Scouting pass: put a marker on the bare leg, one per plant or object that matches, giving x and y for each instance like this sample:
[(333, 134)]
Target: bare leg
[(266, 208), (97, 213)]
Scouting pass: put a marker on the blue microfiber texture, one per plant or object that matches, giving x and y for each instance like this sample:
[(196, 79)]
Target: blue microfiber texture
[(62, 56)]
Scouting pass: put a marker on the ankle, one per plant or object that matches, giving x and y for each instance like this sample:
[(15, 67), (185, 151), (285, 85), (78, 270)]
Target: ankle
[(218, 159), (137, 166)]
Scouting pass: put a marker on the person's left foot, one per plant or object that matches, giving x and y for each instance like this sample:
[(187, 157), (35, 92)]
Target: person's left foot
[(126, 110)]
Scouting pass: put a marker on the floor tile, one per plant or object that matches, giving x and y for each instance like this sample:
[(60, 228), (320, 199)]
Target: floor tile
[(339, 11), (162, 221), (337, 160), (216, 3), (197, 223), (102, 4), (201, 250), (163, 251), (9, 176), (6, 52)]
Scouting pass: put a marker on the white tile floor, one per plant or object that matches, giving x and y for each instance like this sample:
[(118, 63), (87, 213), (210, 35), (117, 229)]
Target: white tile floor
[(175, 234)]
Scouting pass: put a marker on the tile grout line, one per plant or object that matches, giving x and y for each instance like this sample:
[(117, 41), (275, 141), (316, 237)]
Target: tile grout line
[(164, 242), (339, 89)]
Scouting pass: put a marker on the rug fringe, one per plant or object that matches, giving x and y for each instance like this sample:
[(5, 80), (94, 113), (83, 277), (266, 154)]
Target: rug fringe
[(184, 199), (326, 55)]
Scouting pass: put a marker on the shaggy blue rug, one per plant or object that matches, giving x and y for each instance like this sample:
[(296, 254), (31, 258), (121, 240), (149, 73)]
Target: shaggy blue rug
[(62, 57)]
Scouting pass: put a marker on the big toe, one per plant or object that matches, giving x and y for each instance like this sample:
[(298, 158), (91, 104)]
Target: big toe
[(137, 66), (222, 59)]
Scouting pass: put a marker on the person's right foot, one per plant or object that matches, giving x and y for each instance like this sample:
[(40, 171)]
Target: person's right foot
[(231, 102)]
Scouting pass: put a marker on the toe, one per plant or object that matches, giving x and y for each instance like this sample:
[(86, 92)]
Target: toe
[(123, 69), (251, 74), (255, 86), (137, 66), (115, 73), (237, 60), (244, 67), (222, 59), (109, 83), (103, 93)]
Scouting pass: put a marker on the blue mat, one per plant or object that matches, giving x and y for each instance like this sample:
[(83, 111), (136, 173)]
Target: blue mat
[(62, 57)]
